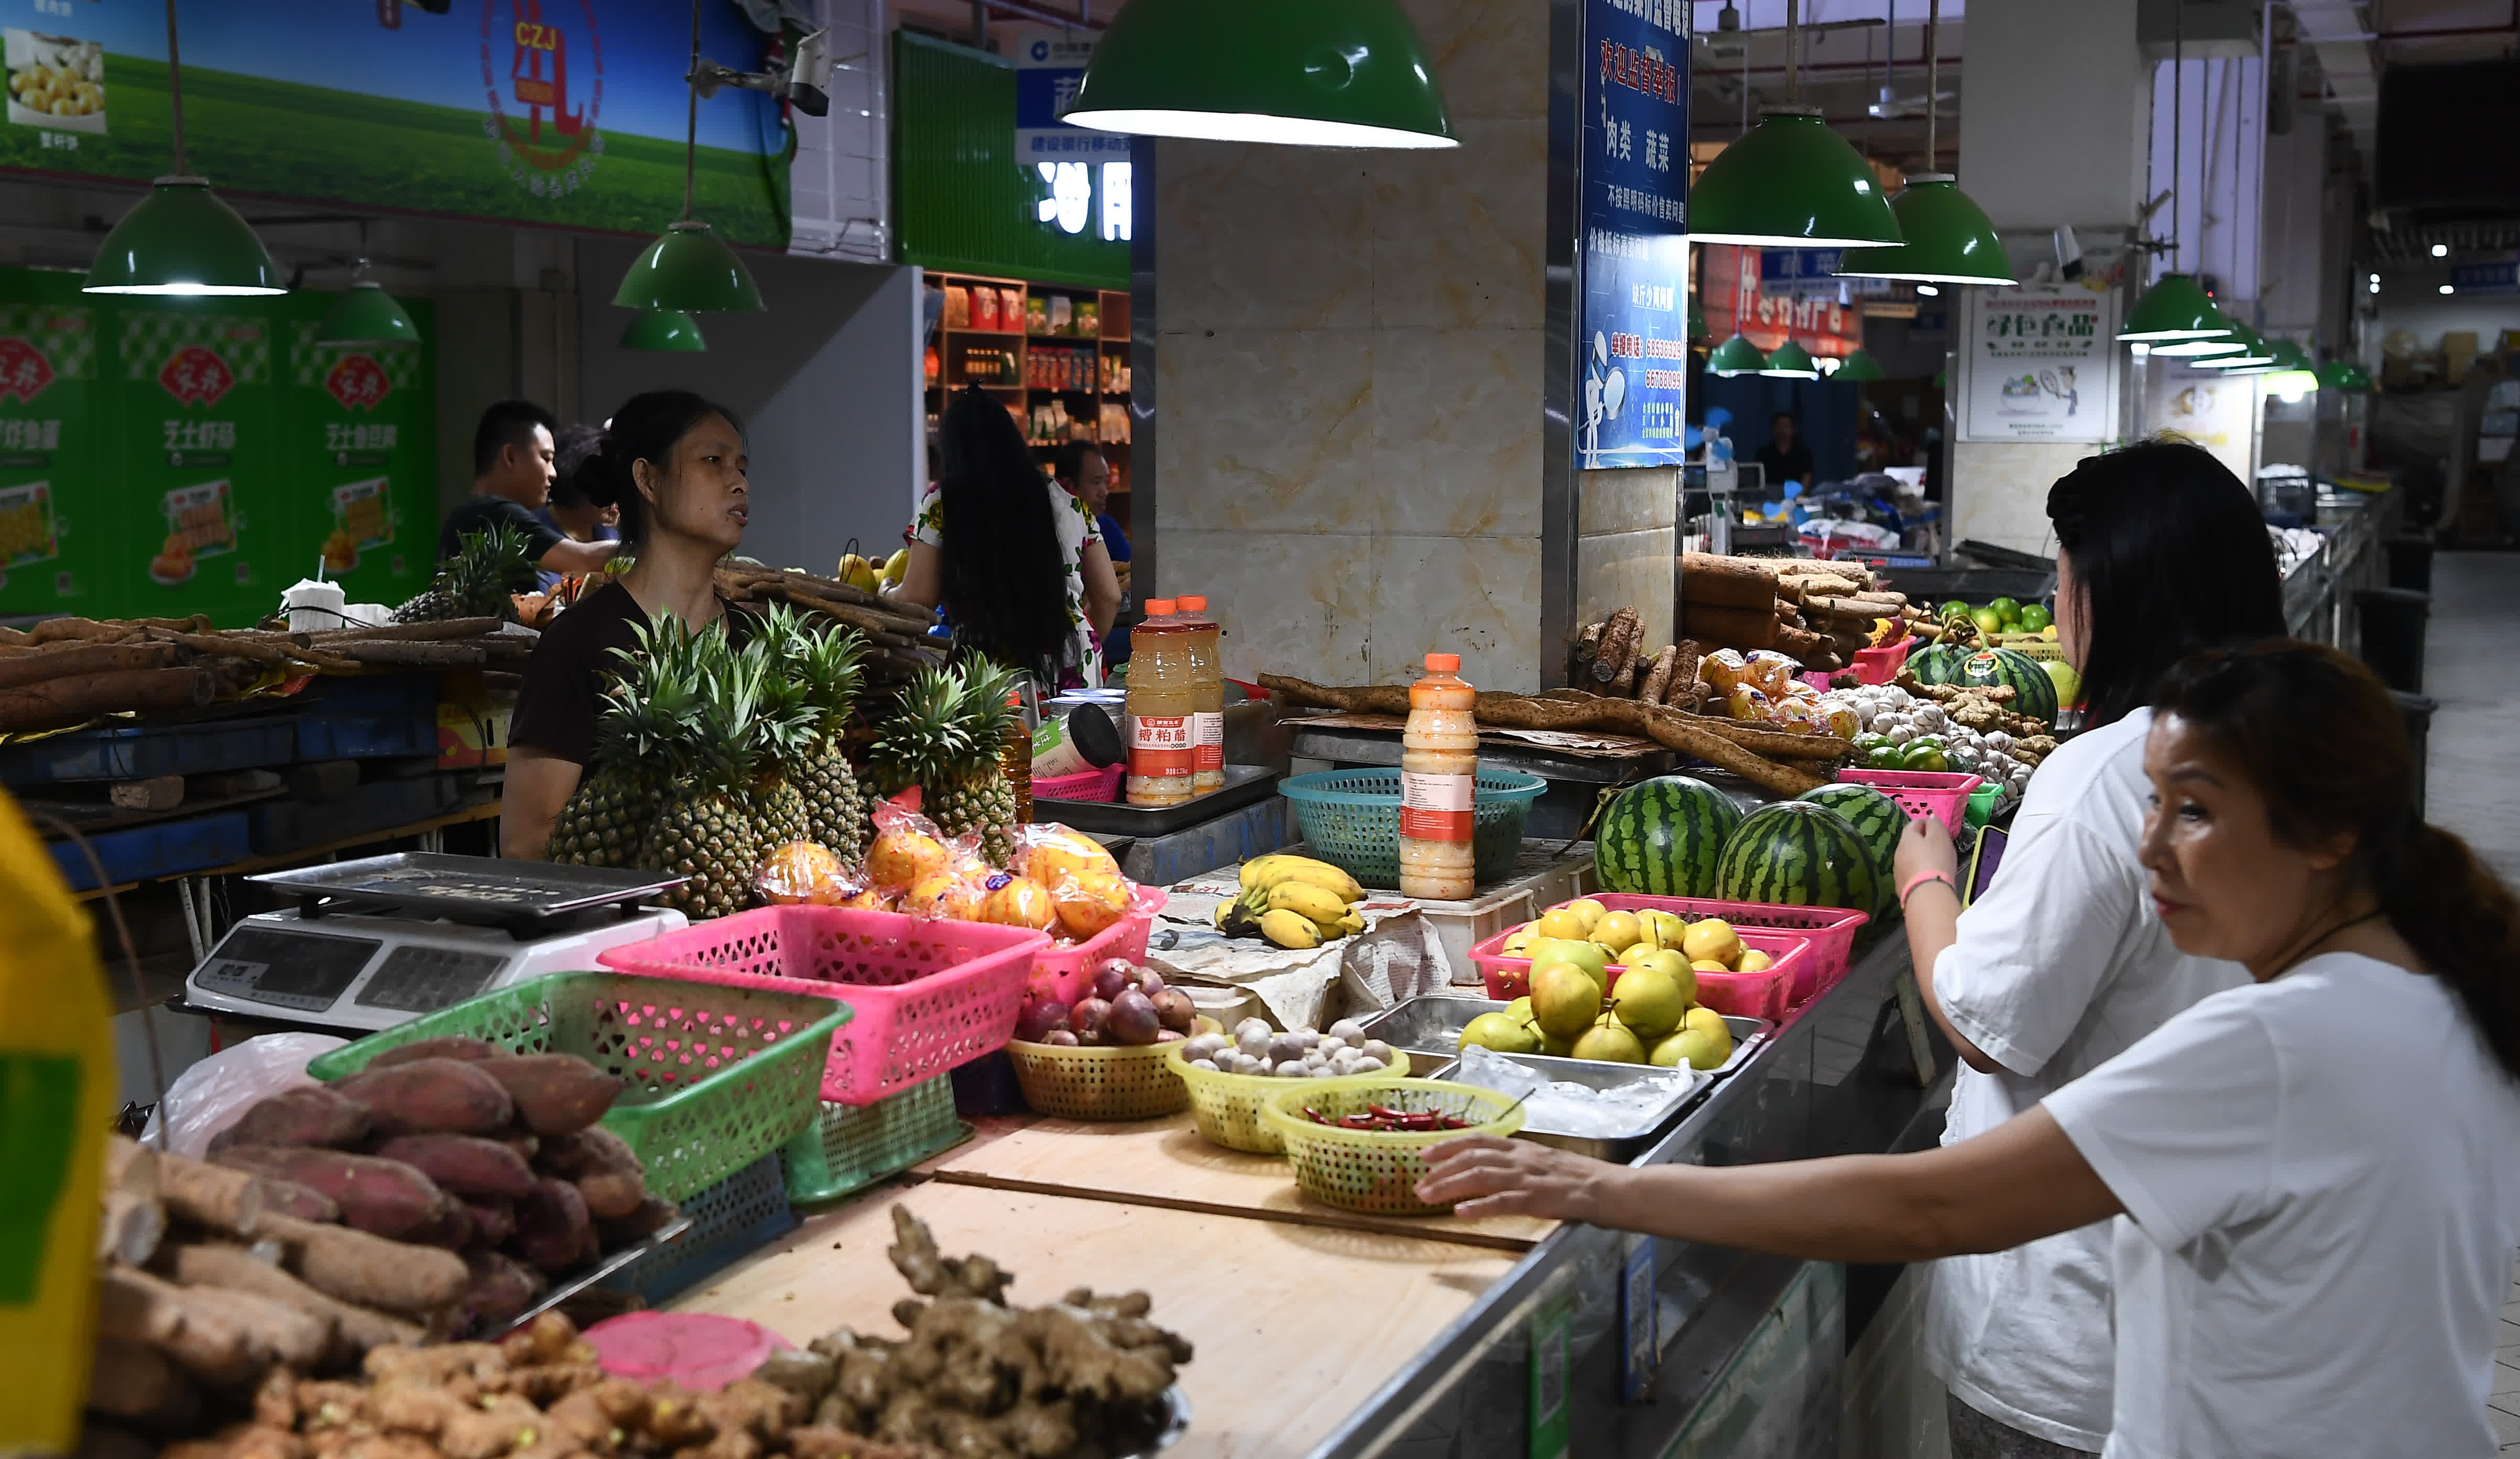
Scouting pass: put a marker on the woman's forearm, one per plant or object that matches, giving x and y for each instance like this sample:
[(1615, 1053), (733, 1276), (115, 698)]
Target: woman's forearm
[(1844, 1209)]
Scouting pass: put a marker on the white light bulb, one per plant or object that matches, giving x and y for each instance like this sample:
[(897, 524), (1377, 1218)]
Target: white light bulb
[(2440, 251), (2446, 289), (1928, 291)]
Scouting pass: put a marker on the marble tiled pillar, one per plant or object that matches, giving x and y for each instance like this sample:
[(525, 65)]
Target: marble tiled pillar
[(1349, 360)]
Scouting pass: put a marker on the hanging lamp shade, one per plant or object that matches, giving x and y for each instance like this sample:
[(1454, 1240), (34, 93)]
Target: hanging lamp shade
[(2290, 356), (1860, 365), (1302, 73), (1790, 361), (1949, 239), (689, 269), (2176, 307), (1791, 183), (2354, 380), (182, 240), (663, 329), (1737, 356), (366, 314), (2254, 353)]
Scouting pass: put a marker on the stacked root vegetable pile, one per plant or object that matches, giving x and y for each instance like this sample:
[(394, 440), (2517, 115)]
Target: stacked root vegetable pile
[(897, 642), (434, 1191), (68, 671), (1820, 614), (1081, 1378)]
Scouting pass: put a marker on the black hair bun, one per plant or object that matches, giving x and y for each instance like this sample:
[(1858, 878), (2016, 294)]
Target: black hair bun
[(604, 478)]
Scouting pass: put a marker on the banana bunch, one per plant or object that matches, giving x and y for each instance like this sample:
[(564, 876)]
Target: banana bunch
[(1293, 902)]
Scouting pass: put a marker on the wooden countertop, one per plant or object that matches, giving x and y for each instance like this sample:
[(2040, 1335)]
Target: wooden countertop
[(1296, 1324)]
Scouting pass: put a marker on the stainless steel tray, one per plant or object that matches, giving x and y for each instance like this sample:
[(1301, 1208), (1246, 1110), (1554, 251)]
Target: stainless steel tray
[(579, 1281), (1243, 785), (1429, 1028), (1686, 1084), (478, 890)]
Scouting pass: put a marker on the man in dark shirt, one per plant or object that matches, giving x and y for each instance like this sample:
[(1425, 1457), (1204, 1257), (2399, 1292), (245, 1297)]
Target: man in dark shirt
[(1785, 458), (512, 479)]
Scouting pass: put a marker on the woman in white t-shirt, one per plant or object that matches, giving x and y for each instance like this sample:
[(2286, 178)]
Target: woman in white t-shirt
[(1016, 563), (2063, 963), (2314, 1176)]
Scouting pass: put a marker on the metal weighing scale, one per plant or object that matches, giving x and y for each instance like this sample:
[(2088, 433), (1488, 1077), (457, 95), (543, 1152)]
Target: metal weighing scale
[(382, 940)]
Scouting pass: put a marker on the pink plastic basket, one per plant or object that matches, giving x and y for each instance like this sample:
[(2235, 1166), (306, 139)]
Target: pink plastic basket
[(1829, 930), (1060, 972), (1941, 793), (1882, 664), (1102, 784), (1765, 994), (929, 995)]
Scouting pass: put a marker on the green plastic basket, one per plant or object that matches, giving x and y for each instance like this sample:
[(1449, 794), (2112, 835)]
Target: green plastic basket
[(1351, 819), (713, 1077), (851, 1147)]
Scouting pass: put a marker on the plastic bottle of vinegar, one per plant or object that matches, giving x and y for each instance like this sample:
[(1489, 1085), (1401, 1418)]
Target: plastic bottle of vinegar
[(1162, 701), (1439, 762), (1207, 677)]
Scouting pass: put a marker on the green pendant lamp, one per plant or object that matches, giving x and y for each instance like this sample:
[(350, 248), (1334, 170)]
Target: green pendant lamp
[(689, 268), (1790, 361), (1791, 183), (663, 329), (2175, 309), (1737, 356), (181, 239), (367, 315), (1301, 73), (2254, 353), (2344, 375), (1948, 238), (1860, 365)]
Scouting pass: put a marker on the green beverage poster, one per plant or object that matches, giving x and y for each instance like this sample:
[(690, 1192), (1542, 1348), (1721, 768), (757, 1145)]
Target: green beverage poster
[(195, 448), (359, 454), (58, 527)]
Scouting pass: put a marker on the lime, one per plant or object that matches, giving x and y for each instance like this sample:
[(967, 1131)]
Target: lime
[(2069, 684), (1987, 621), (2034, 617), (2007, 607), (1869, 742), (1950, 606), (1884, 756), (1924, 758)]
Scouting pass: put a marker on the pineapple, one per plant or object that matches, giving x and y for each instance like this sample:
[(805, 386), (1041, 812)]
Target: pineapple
[(475, 583), (825, 663), (647, 708), (946, 736), (787, 726), (706, 828)]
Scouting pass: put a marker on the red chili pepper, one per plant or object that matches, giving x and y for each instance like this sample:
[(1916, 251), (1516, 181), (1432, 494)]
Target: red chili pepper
[(1315, 1115), (1360, 1121)]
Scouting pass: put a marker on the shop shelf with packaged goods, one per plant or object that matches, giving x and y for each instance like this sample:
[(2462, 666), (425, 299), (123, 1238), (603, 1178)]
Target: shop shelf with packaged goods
[(1057, 355)]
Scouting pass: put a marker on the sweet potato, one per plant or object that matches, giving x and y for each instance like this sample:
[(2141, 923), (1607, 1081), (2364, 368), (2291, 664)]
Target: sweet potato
[(553, 1229), (309, 1114), (385, 1197), (501, 1289), (554, 1094), (494, 1221), (452, 1229), (467, 1164), (606, 1173), (366, 1269), (652, 1216), (432, 1096), (290, 1199), (448, 1046)]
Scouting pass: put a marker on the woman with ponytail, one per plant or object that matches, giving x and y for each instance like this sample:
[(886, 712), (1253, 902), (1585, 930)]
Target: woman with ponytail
[(2313, 1179), (674, 466)]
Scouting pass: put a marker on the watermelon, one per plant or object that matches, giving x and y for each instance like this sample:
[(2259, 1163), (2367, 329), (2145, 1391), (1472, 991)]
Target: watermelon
[(1662, 836), (1936, 663), (1876, 817), (1798, 854), (2032, 693)]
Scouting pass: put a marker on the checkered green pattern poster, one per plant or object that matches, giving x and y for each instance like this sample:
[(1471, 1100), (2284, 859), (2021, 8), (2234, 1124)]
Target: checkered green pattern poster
[(59, 516), (361, 453)]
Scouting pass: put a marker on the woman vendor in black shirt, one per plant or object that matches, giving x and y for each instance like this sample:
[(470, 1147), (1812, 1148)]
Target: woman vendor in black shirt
[(674, 463)]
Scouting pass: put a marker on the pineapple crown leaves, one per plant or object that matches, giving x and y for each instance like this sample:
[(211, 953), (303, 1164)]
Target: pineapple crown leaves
[(988, 711), (787, 721), (491, 565), (721, 747), (822, 660), (923, 739), (653, 698)]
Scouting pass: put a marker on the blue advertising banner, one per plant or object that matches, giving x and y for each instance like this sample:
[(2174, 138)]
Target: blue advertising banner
[(1049, 64), (558, 113), (1633, 253)]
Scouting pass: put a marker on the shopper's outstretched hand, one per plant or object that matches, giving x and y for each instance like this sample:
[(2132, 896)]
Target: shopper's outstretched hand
[(1492, 1176)]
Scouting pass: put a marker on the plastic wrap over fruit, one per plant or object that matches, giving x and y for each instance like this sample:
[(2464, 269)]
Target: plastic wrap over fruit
[(958, 888), (1724, 668), (1744, 702), (1795, 716), (1087, 891), (805, 873), (1842, 720), (907, 849), (1771, 671)]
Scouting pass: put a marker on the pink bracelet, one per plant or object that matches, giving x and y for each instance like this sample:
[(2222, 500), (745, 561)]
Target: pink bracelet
[(1921, 878)]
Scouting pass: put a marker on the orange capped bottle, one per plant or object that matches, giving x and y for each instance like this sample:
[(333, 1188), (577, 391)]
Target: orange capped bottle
[(1207, 685), (1439, 766), (1162, 748)]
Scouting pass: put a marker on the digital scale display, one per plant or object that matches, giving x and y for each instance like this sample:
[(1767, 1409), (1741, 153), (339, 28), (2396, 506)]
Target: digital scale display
[(425, 980), (306, 970)]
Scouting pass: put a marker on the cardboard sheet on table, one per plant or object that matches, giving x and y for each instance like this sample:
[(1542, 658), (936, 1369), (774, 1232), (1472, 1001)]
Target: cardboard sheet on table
[(1166, 1163), (1239, 1290), (1585, 745)]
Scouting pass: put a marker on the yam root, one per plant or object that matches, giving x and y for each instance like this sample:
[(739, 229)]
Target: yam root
[(1728, 627), (369, 1270), (382, 1196), (1369, 699), (1684, 670), (1726, 581), (212, 1196), (52, 704), (554, 1094), (1666, 728), (45, 664), (652, 1216), (208, 1342), (1618, 646), (290, 1199), (1657, 680), (308, 1115), (494, 1221), (136, 1382), (356, 1329), (431, 1096), (465, 1165)]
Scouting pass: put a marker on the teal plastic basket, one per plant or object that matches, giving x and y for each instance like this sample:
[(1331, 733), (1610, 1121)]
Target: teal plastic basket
[(1351, 819), (853, 1146)]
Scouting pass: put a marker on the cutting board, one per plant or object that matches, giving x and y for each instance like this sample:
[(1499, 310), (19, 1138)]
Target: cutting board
[(1166, 1162), (1294, 1326)]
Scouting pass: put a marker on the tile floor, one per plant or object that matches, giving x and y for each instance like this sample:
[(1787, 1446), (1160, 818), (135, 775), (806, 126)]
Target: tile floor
[(2467, 669)]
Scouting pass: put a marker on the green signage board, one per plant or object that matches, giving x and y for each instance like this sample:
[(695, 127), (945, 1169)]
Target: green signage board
[(558, 113), (167, 457)]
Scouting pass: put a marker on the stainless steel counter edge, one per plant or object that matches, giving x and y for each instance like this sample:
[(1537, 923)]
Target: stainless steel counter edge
[(1842, 1080)]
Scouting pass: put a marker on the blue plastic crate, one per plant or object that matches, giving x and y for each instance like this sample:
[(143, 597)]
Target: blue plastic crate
[(730, 1221), (361, 737), (143, 751), (406, 694), (162, 850), (280, 826)]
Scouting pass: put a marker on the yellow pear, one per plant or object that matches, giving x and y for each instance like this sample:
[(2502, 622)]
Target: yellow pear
[(1587, 908), (897, 565), (1562, 922), (1556, 1047), (1519, 1009), (1616, 929), (1589, 956), (1499, 1031), (1648, 1002), (1564, 1000), (1517, 944), (1667, 927), (1712, 938), (1610, 1043), (1673, 966), (1708, 965), (1695, 1047), (1709, 1020), (1755, 961)]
